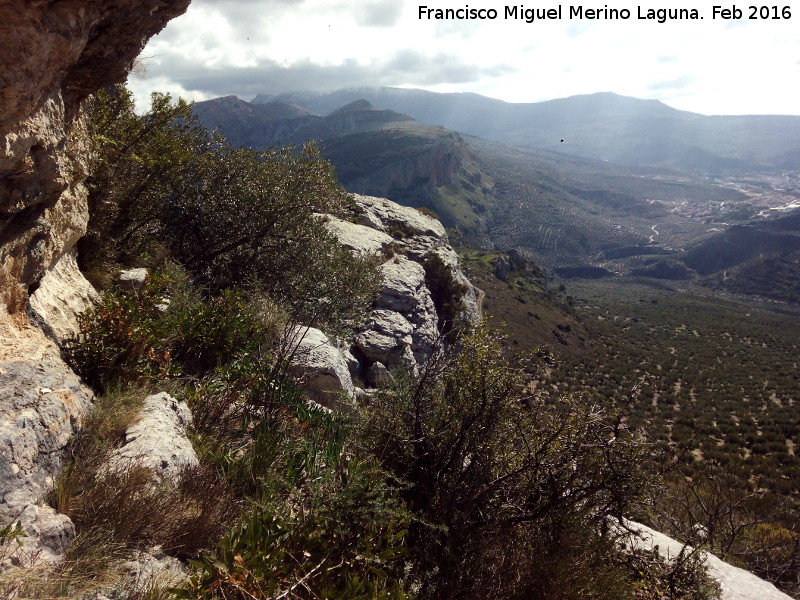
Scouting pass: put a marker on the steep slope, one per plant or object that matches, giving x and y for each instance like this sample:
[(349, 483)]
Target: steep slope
[(601, 126), (54, 54), (276, 123), (239, 118), (375, 152), (742, 243)]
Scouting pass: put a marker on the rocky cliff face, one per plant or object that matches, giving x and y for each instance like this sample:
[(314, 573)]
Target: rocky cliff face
[(434, 167), (55, 53), (402, 329)]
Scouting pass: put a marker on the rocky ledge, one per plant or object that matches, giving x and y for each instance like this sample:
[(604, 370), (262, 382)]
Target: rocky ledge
[(402, 328)]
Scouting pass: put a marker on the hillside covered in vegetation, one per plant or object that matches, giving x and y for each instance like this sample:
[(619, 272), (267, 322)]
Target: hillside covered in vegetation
[(447, 480), (276, 389)]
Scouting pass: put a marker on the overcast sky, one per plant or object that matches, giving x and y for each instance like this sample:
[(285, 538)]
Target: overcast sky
[(246, 47)]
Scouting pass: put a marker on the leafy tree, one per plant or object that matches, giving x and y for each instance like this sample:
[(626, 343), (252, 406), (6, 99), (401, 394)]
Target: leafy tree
[(137, 161), (254, 219), (163, 187)]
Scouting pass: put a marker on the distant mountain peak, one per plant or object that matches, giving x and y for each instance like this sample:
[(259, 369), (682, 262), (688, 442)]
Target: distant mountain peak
[(356, 106)]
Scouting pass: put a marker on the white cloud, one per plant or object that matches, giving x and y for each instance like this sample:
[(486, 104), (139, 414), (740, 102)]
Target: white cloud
[(248, 46)]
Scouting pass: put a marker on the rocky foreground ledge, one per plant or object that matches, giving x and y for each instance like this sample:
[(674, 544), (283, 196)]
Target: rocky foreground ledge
[(53, 55), (735, 583)]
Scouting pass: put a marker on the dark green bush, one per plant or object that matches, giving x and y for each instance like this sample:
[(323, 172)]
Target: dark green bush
[(326, 524), (323, 552), (162, 188), (137, 162), (135, 336), (122, 339), (500, 480)]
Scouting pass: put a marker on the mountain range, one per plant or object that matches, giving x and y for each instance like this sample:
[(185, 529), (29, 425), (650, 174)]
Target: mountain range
[(626, 195), (601, 126)]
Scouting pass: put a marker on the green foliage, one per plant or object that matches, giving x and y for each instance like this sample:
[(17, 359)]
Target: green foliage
[(774, 277), (252, 221), (324, 522), (683, 577), (487, 467), (121, 339), (128, 507), (137, 161), (12, 532), (456, 483), (714, 383), (348, 544), (162, 188), (134, 336)]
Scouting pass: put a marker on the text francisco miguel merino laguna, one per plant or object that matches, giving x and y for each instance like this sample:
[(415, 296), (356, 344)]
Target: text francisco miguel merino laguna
[(606, 13)]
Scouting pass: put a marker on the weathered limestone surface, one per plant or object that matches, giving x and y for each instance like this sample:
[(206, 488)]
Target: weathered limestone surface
[(158, 440), (736, 583), (358, 238), (402, 327), (42, 402), (54, 53), (321, 367), (61, 296)]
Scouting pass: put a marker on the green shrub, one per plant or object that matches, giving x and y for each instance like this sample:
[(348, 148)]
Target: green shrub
[(121, 339), (326, 526), (137, 161), (162, 188), (487, 468), (252, 221), (683, 577), (166, 331)]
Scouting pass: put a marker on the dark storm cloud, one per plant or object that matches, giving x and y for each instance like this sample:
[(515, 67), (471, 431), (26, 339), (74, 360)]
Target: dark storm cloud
[(672, 84), (406, 67)]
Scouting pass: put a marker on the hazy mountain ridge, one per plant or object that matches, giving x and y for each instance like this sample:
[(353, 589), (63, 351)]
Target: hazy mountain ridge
[(379, 153), (570, 211), (578, 216), (603, 126), (265, 125)]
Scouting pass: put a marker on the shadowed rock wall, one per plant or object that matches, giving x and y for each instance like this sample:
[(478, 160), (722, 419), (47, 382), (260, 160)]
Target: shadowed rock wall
[(54, 54)]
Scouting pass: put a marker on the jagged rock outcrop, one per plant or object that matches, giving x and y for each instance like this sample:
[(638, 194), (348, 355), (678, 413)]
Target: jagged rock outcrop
[(402, 327), (62, 295), (54, 54), (513, 260), (158, 439)]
